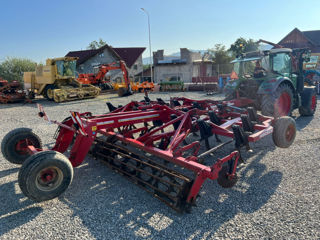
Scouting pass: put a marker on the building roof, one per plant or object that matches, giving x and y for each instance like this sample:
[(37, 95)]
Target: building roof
[(313, 36), (129, 55)]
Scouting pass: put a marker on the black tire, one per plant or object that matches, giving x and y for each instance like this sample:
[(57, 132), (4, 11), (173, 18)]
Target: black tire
[(46, 89), (34, 175), (284, 132), (10, 141), (225, 181), (121, 92), (270, 105), (308, 101)]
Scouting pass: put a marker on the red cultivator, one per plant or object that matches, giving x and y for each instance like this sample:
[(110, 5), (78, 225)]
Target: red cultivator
[(11, 92), (150, 142)]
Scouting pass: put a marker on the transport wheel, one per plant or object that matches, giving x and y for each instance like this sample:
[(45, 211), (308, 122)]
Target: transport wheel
[(45, 175), (224, 180), (48, 91), (13, 146), (308, 101), (278, 104), (284, 132)]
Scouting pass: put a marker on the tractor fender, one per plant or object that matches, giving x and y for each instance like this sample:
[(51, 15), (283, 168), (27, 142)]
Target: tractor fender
[(270, 86)]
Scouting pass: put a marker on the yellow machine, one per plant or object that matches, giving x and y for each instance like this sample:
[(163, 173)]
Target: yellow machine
[(57, 81)]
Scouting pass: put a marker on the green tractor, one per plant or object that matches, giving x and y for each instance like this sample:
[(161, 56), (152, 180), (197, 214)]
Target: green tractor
[(272, 81)]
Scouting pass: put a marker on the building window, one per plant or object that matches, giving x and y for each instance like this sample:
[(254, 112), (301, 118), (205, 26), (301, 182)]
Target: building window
[(101, 55), (135, 67)]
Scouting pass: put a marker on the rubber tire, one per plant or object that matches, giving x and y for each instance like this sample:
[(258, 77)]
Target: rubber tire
[(10, 140), (35, 163), (223, 181), (121, 92), (49, 86), (280, 130), (306, 101), (268, 101)]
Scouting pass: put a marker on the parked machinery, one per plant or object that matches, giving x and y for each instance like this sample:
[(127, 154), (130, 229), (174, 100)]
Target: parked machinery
[(152, 143), (123, 87), (273, 81), (56, 81), (11, 92)]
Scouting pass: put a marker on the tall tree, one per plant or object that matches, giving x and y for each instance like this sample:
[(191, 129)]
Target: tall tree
[(241, 45), (96, 44), (221, 58), (12, 68)]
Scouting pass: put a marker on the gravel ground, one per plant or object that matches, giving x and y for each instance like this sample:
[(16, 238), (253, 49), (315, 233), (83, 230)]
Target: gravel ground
[(276, 197)]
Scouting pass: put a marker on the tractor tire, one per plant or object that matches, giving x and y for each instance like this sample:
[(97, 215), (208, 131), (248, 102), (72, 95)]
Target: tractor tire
[(308, 101), (284, 132), (48, 92), (223, 179), (21, 136), (278, 104), (45, 175)]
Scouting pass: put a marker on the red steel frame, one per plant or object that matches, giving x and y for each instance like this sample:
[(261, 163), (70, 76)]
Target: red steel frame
[(87, 127)]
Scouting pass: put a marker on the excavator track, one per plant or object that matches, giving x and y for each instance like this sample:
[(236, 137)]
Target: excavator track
[(153, 175)]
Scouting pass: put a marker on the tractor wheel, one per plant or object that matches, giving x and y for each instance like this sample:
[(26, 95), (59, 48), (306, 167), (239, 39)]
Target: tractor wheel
[(45, 175), (278, 104), (224, 180), (308, 102), (13, 146), (284, 132), (48, 92)]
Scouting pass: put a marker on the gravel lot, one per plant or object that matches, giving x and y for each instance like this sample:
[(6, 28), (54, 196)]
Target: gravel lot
[(277, 196)]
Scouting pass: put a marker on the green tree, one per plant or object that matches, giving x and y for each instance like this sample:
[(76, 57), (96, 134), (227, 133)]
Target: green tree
[(221, 58), (96, 44), (12, 68), (241, 45)]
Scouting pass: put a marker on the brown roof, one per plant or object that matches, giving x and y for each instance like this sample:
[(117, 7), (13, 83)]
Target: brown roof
[(313, 36), (129, 55)]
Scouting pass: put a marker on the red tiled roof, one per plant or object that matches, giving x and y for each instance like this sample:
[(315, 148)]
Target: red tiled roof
[(129, 55)]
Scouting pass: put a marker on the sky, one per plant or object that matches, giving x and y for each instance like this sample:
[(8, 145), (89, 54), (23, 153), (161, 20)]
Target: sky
[(38, 30)]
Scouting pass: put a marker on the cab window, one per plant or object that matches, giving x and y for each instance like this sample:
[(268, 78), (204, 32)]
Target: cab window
[(281, 63)]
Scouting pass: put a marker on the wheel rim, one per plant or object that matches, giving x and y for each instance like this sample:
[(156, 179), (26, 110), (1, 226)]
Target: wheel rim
[(21, 146), (50, 93), (283, 104), (290, 132), (49, 179), (313, 103)]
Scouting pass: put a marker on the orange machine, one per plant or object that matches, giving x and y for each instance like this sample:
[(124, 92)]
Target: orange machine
[(124, 88)]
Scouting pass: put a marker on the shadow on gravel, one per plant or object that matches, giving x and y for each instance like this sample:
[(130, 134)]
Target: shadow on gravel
[(15, 209), (110, 211), (302, 122)]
